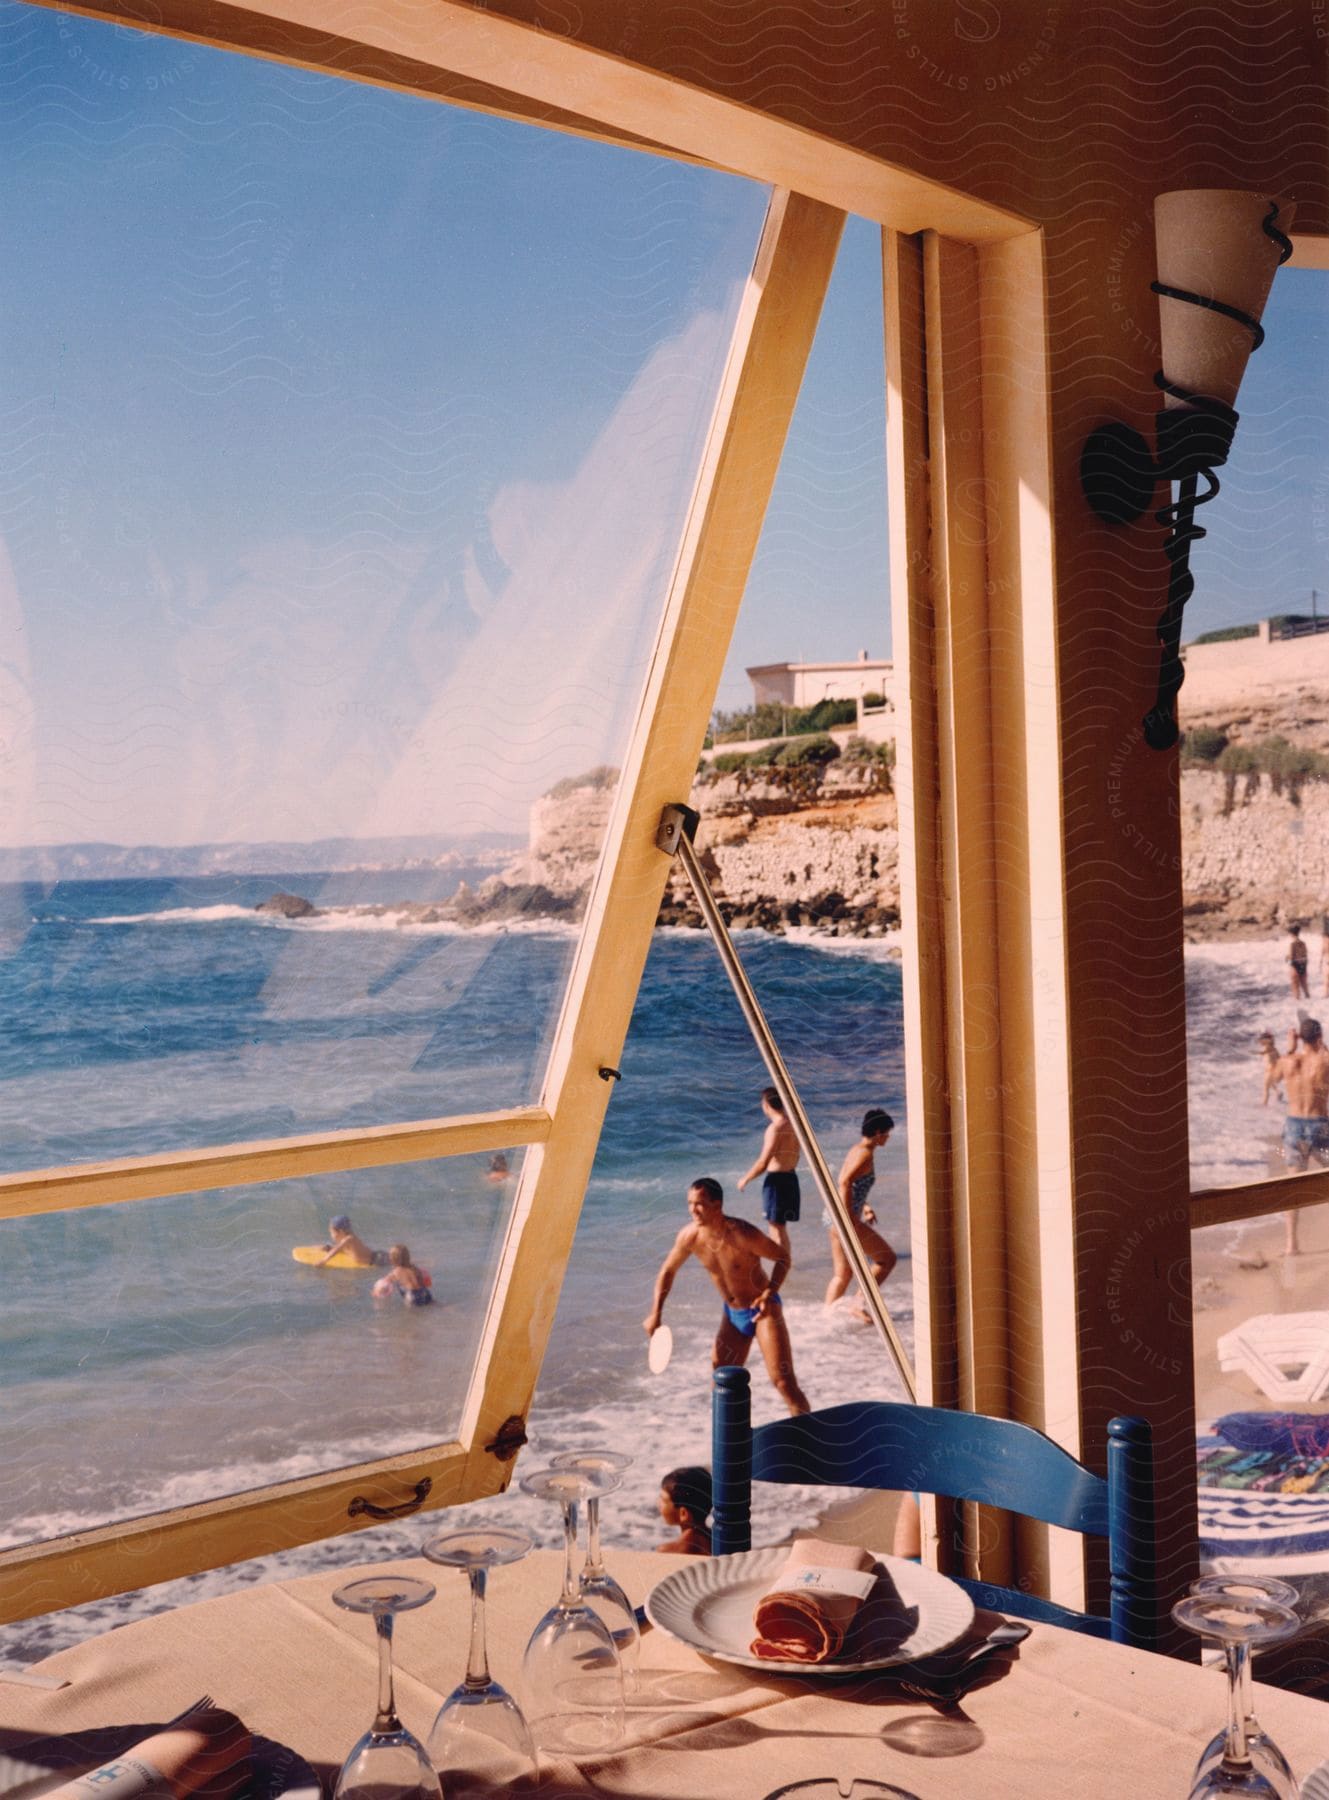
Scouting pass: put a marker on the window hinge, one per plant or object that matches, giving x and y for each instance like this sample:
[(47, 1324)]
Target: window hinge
[(510, 1438)]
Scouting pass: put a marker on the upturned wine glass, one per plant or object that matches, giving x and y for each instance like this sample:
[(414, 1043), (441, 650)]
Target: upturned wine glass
[(598, 1588), (572, 1670), (388, 1763), (1264, 1752), (480, 1742), (1237, 1624)]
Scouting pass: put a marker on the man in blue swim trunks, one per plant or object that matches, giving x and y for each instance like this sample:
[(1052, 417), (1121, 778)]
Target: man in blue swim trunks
[(1305, 1074), (731, 1251), (777, 1162)]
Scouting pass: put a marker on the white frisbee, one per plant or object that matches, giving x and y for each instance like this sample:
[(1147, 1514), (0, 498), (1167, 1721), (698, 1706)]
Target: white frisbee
[(660, 1349)]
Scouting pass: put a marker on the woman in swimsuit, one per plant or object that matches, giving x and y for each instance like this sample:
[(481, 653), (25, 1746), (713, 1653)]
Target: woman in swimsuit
[(403, 1279), (857, 1174)]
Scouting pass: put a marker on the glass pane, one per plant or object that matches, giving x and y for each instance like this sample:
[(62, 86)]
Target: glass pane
[(1262, 1394), (261, 1367), (1255, 767), (827, 973), (355, 437)]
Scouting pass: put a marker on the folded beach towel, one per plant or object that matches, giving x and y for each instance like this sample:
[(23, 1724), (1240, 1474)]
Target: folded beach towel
[(808, 1609), (204, 1749)]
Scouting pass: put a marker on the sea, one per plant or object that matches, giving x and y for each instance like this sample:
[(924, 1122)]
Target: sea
[(170, 1350)]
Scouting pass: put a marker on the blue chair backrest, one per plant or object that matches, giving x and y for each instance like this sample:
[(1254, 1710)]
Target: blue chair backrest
[(927, 1449)]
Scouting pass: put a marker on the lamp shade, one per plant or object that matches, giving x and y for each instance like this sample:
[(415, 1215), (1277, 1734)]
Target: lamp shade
[(1212, 243)]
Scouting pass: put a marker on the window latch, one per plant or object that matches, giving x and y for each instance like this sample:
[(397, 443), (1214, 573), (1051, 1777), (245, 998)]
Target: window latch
[(403, 1510)]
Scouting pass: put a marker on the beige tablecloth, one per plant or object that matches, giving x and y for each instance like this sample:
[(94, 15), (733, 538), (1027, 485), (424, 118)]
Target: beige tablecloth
[(1072, 1716)]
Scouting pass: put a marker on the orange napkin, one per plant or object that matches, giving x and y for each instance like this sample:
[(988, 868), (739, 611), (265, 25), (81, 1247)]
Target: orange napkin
[(809, 1607), (204, 1748)]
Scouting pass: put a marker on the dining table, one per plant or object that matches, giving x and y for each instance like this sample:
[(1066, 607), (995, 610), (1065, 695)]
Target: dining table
[(1063, 1714)]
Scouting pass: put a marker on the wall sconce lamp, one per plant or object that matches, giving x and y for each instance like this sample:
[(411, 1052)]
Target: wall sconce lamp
[(1211, 242)]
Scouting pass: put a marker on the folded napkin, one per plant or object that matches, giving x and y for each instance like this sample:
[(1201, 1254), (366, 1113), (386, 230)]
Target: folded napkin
[(806, 1612), (204, 1749)]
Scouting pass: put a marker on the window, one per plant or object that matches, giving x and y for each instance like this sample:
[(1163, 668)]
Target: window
[(360, 475)]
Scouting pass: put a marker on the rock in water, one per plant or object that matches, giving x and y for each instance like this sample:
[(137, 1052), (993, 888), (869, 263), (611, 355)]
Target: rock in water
[(289, 906)]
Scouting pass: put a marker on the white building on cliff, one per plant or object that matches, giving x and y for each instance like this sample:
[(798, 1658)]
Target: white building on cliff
[(807, 683)]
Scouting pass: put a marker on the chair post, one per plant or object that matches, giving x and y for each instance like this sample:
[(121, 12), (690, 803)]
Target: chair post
[(731, 1461), (1131, 1531)]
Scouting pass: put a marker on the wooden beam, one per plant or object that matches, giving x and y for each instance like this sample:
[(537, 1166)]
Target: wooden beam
[(589, 90), (273, 1159), (773, 337), (1230, 1206), (134, 1553)]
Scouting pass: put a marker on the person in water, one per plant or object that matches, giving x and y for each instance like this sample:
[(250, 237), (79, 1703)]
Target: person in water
[(685, 1503), (348, 1244), (404, 1280), (1297, 959), (777, 1162), (498, 1167), (731, 1251), (1272, 1080), (857, 1174)]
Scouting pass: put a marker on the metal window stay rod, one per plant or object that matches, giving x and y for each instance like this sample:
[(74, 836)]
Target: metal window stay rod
[(678, 825)]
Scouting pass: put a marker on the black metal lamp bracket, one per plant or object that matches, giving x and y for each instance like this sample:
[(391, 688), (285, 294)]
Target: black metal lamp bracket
[(1119, 473)]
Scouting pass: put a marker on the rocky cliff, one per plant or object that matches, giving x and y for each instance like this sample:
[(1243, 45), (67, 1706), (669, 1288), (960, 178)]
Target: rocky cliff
[(824, 852), (1253, 859)]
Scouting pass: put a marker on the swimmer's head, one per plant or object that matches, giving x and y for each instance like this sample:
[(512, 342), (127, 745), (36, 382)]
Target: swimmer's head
[(771, 1097), (876, 1122), (399, 1256), (1311, 1031), (341, 1223)]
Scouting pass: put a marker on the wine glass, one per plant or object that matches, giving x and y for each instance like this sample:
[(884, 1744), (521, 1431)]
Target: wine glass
[(598, 1588), (480, 1741), (1264, 1752), (1237, 1624), (572, 1669), (388, 1763)]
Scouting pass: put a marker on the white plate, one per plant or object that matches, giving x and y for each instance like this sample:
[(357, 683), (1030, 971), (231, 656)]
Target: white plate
[(708, 1604), (38, 1764), (659, 1348)]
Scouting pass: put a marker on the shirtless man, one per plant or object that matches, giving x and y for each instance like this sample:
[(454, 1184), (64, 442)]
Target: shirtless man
[(731, 1251), (777, 1162), (1305, 1073)]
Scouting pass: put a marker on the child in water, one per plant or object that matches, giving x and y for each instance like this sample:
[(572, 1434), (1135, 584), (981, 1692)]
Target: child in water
[(403, 1279), (685, 1500), (344, 1240)]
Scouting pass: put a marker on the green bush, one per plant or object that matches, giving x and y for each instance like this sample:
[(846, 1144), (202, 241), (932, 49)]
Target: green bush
[(770, 719), (1227, 635), (874, 699), (807, 752), (1238, 759), (823, 715), (728, 762), (1202, 746), (603, 777), (863, 750)]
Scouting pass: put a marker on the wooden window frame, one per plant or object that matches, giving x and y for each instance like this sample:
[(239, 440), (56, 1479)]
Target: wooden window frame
[(772, 336)]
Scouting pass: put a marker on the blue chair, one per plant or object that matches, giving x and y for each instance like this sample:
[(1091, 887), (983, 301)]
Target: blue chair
[(874, 1444)]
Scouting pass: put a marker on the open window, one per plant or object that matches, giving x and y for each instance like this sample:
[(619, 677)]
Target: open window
[(376, 501)]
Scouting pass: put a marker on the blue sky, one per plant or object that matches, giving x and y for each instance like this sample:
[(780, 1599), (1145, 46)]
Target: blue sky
[(349, 436)]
